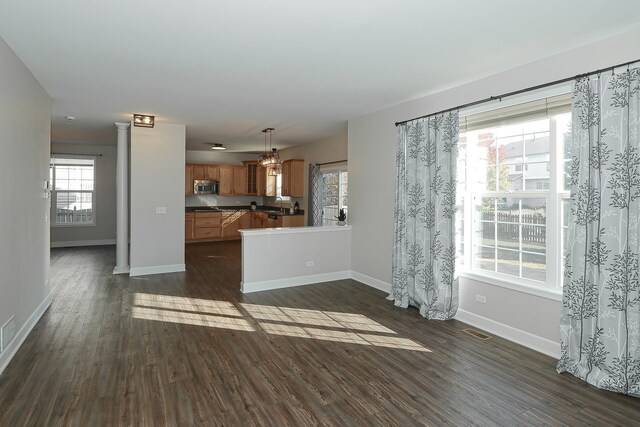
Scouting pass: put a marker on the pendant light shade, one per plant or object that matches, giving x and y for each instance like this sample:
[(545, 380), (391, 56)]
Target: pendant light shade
[(269, 159)]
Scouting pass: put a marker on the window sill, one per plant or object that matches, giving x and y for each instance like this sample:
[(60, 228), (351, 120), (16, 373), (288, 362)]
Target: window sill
[(552, 294), (72, 225)]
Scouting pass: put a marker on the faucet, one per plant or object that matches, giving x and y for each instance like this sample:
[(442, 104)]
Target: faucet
[(281, 208)]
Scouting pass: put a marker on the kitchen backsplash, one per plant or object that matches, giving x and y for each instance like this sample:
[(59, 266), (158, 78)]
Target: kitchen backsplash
[(212, 200)]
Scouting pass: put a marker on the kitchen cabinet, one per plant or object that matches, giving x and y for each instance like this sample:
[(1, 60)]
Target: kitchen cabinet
[(245, 220), (266, 185), (189, 222), (292, 221), (292, 178), (251, 171), (207, 225), (233, 180), (208, 172), (231, 224), (188, 180)]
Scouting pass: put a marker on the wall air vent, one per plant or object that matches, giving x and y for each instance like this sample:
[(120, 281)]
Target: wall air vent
[(477, 334)]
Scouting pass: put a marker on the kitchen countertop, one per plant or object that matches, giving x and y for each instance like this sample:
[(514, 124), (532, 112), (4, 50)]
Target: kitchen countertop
[(267, 209)]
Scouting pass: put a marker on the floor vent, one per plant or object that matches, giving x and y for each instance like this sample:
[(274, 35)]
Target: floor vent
[(476, 333), (7, 332)]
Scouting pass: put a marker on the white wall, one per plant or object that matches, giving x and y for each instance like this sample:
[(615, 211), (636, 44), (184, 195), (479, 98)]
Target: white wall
[(157, 180), (321, 151), (372, 142), (277, 258), (25, 129), (218, 157), (104, 232)]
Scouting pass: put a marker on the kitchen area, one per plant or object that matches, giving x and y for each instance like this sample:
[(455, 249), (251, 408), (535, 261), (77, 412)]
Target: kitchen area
[(222, 199)]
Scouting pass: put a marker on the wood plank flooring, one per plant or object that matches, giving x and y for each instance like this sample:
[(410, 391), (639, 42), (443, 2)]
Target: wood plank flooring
[(189, 349)]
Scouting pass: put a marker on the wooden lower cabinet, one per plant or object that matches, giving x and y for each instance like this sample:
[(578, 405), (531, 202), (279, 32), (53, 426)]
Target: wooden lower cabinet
[(226, 225), (189, 223)]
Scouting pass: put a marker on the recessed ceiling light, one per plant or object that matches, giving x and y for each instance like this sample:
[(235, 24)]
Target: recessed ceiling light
[(218, 147), (70, 118)]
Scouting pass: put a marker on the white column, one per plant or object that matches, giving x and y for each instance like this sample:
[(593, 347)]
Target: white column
[(122, 201)]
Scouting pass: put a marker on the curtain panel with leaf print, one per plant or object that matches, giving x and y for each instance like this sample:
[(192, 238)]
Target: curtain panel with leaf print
[(600, 323), (423, 271), (316, 193)]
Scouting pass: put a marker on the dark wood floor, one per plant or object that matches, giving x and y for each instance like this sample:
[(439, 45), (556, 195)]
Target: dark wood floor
[(189, 349)]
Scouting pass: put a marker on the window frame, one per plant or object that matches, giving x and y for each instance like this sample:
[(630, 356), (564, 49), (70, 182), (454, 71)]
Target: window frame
[(54, 193), (339, 169), (554, 196)]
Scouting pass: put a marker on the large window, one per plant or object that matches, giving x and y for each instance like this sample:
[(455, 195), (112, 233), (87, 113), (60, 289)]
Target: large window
[(513, 192), (335, 183), (72, 190)]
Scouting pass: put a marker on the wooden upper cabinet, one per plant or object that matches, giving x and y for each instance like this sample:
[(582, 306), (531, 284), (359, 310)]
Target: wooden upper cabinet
[(292, 178), (188, 179), (251, 170), (239, 180), (226, 180), (266, 185), (199, 172), (213, 172)]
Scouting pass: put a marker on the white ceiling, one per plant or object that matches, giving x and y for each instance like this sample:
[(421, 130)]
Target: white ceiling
[(228, 69)]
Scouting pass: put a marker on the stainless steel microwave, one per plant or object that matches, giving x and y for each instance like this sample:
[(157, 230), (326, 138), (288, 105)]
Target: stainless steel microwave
[(204, 186)]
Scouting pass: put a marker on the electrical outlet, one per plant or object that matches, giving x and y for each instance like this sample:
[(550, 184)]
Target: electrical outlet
[(161, 210), (309, 263), (481, 298)]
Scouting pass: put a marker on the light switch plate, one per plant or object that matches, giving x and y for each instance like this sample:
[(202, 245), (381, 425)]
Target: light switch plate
[(161, 210)]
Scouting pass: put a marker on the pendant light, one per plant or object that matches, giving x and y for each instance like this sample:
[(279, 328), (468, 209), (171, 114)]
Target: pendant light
[(269, 159)]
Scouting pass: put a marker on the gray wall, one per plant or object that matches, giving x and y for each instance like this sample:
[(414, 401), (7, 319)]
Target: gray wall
[(372, 143), (157, 180), (25, 129), (104, 232)]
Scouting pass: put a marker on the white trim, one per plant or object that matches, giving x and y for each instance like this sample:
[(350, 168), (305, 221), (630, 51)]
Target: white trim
[(370, 281), (156, 269), (72, 243), (121, 270), (552, 294), (23, 333), (294, 230), (289, 282), (535, 342)]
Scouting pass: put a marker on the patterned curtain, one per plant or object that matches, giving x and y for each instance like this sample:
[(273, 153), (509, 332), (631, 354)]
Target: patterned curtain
[(424, 248), (316, 190), (600, 323)]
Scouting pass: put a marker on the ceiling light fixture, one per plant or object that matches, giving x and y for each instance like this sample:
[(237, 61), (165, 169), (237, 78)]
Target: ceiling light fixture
[(143, 120), (271, 158), (218, 147)]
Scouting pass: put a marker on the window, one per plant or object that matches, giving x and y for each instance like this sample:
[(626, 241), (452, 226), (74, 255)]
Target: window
[(279, 189), (513, 192), (335, 183), (72, 190)]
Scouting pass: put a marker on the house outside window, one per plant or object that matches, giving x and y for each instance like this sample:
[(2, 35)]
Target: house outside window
[(73, 198), (513, 193), (335, 183)]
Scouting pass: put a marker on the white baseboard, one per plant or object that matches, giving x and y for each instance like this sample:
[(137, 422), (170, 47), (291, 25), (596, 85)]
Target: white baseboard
[(73, 243), (156, 269), (370, 281), (543, 345), (293, 281), (23, 333)]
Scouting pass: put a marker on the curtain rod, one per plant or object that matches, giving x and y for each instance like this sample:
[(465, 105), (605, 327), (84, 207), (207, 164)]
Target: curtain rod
[(518, 92), (331, 163), (75, 154)]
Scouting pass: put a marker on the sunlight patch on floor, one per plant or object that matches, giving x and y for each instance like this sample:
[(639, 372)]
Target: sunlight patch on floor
[(342, 336), (351, 328), (196, 319), (328, 319), (224, 308)]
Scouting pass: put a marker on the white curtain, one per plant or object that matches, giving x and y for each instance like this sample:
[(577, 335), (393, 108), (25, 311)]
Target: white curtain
[(600, 323), (424, 248)]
